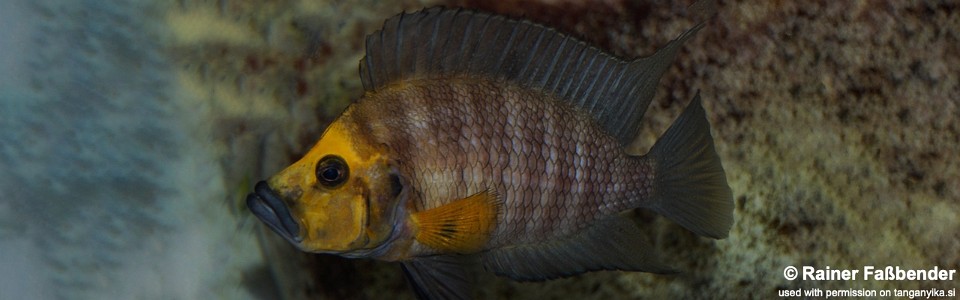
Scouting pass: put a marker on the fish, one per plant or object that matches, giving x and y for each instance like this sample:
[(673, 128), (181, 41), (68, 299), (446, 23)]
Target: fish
[(484, 141)]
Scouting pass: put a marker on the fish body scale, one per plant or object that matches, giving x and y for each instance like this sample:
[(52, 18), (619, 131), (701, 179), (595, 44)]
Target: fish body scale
[(552, 167)]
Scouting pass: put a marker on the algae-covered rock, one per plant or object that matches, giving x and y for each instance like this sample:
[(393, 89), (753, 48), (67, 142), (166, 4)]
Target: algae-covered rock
[(836, 122)]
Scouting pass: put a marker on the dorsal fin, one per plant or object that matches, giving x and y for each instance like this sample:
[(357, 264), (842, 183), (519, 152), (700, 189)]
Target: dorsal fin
[(444, 43)]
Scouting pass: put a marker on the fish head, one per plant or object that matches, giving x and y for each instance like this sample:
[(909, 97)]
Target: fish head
[(342, 197)]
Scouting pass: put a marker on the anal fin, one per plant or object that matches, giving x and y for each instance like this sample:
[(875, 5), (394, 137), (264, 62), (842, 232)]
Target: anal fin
[(614, 243), (441, 277), (461, 226)]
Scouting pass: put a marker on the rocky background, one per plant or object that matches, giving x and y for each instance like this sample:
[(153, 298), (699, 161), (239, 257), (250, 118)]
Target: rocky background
[(838, 123)]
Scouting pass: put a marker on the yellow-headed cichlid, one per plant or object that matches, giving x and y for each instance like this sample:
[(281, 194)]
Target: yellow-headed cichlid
[(483, 140)]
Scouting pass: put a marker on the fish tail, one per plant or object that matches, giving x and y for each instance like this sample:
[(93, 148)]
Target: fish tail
[(690, 186)]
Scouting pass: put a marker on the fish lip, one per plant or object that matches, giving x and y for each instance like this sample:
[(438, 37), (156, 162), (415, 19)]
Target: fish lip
[(269, 208)]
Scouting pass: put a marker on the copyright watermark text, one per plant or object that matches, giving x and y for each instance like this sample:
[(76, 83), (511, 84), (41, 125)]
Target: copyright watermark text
[(868, 273)]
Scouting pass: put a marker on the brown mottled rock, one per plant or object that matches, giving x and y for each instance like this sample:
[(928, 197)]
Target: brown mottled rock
[(837, 123)]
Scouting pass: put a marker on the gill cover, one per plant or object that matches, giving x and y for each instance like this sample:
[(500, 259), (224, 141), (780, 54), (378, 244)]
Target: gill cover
[(342, 193)]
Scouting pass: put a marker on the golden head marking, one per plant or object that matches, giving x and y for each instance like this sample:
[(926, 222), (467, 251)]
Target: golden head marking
[(341, 197)]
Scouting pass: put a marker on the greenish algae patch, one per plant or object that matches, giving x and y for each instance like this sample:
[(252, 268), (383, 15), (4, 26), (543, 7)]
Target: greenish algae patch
[(204, 25)]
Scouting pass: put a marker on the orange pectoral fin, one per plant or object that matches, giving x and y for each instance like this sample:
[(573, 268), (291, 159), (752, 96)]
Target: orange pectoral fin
[(462, 226)]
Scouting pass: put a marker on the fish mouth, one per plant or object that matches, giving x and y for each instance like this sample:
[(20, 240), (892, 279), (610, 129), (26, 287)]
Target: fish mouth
[(269, 208)]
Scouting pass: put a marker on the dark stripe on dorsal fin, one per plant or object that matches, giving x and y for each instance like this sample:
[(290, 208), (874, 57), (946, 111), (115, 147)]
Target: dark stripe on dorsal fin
[(444, 43)]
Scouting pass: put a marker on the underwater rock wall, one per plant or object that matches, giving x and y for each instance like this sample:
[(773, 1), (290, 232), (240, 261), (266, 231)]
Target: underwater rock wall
[(132, 131), (839, 121), (836, 122)]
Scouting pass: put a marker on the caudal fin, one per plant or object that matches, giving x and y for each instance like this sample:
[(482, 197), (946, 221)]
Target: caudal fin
[(691, 187)]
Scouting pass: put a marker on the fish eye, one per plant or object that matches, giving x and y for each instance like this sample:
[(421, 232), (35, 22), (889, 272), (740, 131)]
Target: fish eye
[(332, 171)]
